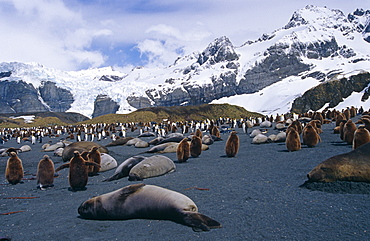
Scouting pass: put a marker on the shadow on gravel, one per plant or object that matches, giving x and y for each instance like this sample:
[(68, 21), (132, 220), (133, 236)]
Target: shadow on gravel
[(342, 187)]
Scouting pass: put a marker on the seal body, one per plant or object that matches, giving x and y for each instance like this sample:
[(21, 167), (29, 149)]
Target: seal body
[(140, 201), (183, 150), (45, 173), (151, 167), (119, 141), (107, 162), (232, 145), (80, 146), (124, 168), (195, 146), (352, 166), (78, 171), (14, 169)]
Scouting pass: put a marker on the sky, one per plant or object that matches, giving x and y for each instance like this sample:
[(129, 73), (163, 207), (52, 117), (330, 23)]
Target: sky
[(82, 34)]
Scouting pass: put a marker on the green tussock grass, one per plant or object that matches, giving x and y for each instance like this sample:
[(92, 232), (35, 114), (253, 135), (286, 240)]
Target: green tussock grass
[(177, 113), (156, 114)]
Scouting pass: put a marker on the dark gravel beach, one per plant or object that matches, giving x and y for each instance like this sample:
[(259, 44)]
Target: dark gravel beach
[(255, 196)]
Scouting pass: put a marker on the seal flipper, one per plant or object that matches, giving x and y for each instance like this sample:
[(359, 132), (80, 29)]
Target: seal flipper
[(114, 177), (124, 192), (200, 222), (66, 165)]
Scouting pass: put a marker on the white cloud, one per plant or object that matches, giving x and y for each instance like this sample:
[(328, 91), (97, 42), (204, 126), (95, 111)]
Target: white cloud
[(49, 33), (73, 34)]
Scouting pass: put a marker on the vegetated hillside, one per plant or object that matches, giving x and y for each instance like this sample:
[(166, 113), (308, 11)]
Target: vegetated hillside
[(177, 113), (40, 119), (156, 114)]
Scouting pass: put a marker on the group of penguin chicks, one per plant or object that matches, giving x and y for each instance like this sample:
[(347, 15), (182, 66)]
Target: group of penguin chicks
[(80, 167)]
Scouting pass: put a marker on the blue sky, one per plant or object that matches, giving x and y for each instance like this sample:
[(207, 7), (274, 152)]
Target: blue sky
[(80, 34)]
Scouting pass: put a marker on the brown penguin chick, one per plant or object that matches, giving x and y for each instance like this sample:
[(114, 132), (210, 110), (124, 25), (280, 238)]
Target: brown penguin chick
[(195, 146), (94, 156), (318, 116), (298, 126), (199, 133), (232, 145), (183, 150), (349, 131), (293, 141), (215, 132), (353, 111), (78, 171), (365, 121), (310, 137), (45, 173), (347, 114), (317, 125), (341, 128), (339, 117), (14, 169), (361, 136)]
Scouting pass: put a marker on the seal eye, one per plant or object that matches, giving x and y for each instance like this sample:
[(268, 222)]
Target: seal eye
[(325, 169)]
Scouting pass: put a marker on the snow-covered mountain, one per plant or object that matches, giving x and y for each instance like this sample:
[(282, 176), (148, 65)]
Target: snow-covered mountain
[(265, 75)]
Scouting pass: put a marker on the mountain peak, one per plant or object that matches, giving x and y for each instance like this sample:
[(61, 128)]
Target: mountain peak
[(221, 49), (319, 16)]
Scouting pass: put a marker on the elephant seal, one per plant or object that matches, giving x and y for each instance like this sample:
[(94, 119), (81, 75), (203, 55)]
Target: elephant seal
[(78, 171), (47, 147), (14, 169), (151, 167), (160, 147), (207, 140), (265, 124), (156, 140), (147, 134), (25, 148), (174, 138), (140, 201), (45, 173), (119, 141), (124, 168), (107, 162), (255, 132), (351, 166), (259, 139), (183, 150), (232, 145), (133, 141), (141, 144), (80, 146)]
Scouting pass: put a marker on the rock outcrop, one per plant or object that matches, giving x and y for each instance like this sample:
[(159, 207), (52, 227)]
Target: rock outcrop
[(332, 92), (18, 96), (58, 99), (104, 105)]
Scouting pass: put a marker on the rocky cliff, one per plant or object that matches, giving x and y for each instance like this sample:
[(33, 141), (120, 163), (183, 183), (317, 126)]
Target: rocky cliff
[(332, 92), (104, 105)]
